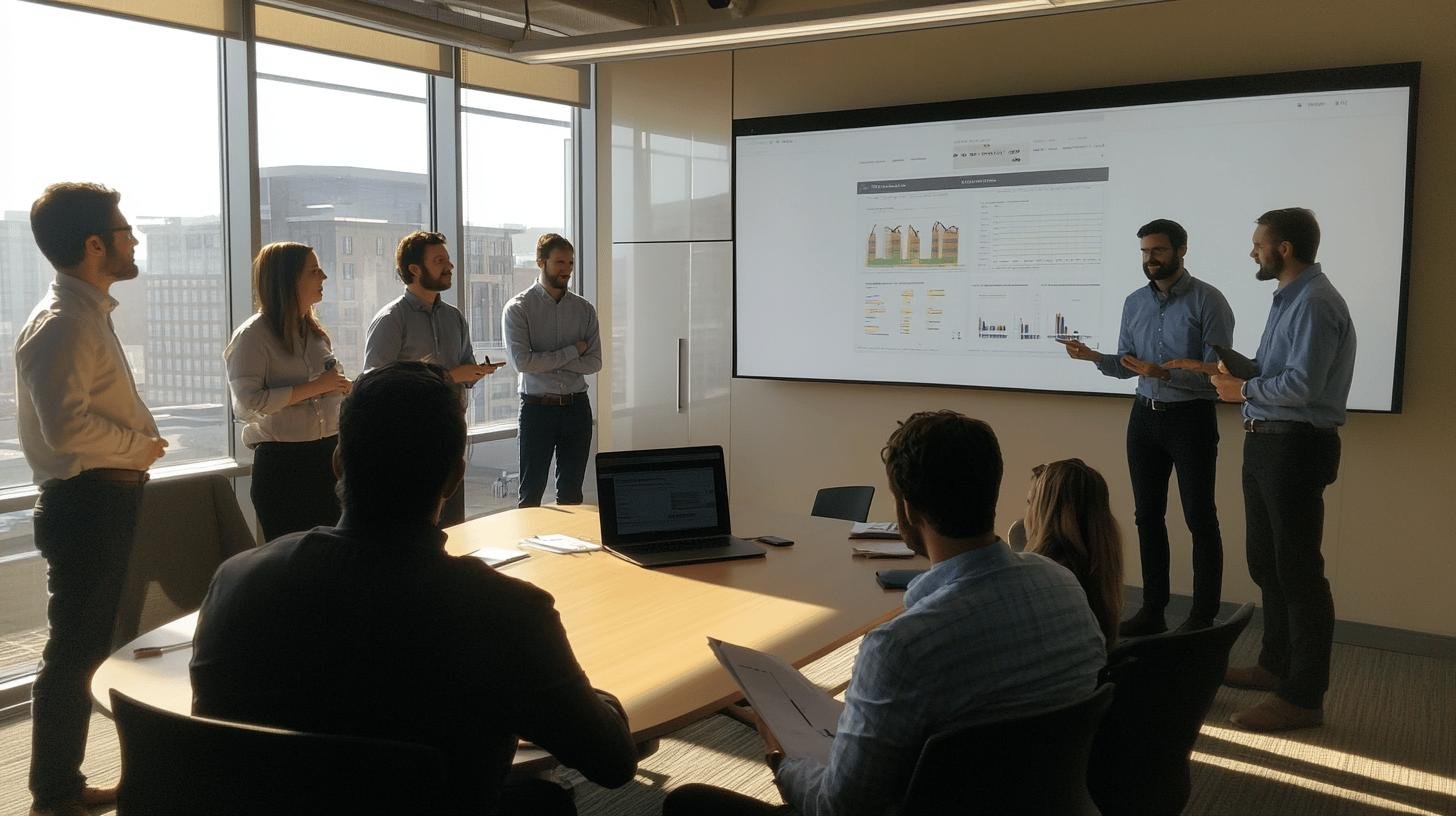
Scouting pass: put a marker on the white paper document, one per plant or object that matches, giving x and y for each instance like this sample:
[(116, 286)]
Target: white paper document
[(883, 549), (874, 529), (557, 543), (499, 556), (798, 713)]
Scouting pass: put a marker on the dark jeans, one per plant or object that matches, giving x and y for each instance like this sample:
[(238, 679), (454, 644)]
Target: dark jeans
[(706, 800), (84, 527), (566, 431), (293, 486), (1185, 438), (1285, 476)]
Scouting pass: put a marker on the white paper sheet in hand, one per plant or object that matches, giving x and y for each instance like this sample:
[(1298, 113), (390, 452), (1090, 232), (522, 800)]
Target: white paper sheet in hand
[(798, 713)]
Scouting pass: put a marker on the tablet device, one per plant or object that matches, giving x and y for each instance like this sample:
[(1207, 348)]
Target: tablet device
[(1236, 363)]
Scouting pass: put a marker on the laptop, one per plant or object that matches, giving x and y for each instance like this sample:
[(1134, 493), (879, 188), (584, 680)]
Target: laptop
[(662, 508)]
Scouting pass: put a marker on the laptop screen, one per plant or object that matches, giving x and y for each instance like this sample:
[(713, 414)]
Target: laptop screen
[(662, 494)]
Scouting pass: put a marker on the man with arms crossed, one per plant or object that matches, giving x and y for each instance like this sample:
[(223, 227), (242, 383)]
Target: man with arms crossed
[(553, 339), (420, 325), (1173, 424), (1292, 412), (89, 440), (987, 634), (372, 629)]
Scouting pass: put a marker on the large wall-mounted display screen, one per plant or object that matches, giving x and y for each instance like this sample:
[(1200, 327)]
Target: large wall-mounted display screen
[(953, 243)]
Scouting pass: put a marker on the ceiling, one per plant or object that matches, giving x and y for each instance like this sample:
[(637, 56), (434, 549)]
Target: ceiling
[(585, 31)]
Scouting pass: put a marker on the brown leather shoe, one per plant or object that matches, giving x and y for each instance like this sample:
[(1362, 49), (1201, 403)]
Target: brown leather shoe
[(96, 797), (1251, 677), (1277, 714)]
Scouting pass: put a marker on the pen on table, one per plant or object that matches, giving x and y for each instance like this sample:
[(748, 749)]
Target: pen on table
[(142, 652)]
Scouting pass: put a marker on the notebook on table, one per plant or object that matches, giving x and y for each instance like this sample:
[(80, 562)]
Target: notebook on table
[(662, 508)]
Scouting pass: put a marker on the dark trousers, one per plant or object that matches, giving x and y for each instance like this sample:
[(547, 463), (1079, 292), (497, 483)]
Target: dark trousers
[(1184, 438), (1285, 476), (706, 800), (84, 527), (534, 797), (563, 430), (293, 486)]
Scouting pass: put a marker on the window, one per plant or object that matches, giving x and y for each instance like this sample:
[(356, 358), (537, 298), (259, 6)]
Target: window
[(517, 160), (327, 190), (168, 176)]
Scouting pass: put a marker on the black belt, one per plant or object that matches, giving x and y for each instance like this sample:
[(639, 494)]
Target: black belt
[(1267, 426), (552, 399), (1155, 405), (115, 475)]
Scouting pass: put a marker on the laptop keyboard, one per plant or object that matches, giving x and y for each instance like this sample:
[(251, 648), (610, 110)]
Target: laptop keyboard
[(675, 546)]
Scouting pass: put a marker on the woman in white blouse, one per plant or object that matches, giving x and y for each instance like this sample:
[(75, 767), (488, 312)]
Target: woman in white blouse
[(287, 388)]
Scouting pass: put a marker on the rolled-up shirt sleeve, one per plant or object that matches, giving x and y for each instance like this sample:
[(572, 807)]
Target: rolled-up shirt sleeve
[(247, 368)]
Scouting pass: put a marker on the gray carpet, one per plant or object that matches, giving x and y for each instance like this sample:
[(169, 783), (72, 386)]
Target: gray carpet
[(1389, 747)]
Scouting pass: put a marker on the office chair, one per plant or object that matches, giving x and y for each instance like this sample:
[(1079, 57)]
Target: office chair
[(849, 503), (186, 528), (1165, 686), (1026, 765), (176, 765)]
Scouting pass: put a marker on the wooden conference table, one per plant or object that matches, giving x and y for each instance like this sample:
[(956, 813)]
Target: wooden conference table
[(640, 634)]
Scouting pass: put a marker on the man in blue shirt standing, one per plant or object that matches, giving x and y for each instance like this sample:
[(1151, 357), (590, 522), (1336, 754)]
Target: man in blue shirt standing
[(1292, 412), (554, 340), (1173, 424)]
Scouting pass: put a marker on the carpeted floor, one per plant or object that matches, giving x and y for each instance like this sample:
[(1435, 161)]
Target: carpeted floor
[(1389, 747)]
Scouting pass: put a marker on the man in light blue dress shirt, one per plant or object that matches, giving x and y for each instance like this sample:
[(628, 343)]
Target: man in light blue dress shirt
[(1292, 411), (554, 340), (987, 634), (420, 326), (1173, 424)]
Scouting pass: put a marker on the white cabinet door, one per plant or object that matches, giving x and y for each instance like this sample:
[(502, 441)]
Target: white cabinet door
[(710, 342), (650, 345)]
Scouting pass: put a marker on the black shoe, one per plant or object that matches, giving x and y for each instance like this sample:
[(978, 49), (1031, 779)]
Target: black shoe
[(1193, 624), (1146, 622)]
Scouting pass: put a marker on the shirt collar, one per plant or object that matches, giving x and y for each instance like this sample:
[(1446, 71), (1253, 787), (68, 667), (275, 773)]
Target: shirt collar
[(966, 565), (403, 533), (419, 305), (1295, 286), (1179, 287), (88, 293)]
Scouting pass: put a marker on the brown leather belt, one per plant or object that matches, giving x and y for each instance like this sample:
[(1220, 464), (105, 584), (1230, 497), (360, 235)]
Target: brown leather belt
[(552, 399), (115, 475)]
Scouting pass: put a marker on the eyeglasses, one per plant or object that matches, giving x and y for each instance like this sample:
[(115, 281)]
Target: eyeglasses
[(127, 228)]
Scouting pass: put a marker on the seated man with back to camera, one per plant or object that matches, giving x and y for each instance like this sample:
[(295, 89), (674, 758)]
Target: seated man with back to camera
[(372, 629), (987, 634)]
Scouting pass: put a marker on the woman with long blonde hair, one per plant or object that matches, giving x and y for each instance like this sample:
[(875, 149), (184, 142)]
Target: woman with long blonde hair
[(287, 389), (1069, 520)]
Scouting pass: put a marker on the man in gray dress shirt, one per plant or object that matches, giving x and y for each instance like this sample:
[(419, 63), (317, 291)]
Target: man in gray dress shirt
[(1173, 425), (89, 440), (1293, 409), (420, 326), (553, 339)]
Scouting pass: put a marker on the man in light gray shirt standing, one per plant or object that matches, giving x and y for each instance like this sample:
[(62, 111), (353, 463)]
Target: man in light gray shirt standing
[(553, 339), (89, 440), (420, 326)]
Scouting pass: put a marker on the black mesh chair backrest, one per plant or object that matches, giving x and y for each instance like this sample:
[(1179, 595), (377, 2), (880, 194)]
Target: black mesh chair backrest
[(1165, 686), (850, 503), (176, 765), (1026, 765)]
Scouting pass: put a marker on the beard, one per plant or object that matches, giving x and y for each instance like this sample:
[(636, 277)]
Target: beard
[(434, 283), (912, 537), (119, 267), (556, 281), (1271, 270), (1157, 272)]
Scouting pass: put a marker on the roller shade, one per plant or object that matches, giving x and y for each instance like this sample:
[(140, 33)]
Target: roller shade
[(553, 83), (286, 27), (223, 17)]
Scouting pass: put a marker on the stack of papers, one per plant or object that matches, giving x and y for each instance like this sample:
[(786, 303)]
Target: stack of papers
[(883, 549), (799, 714), (874, 529), (557, 543)]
